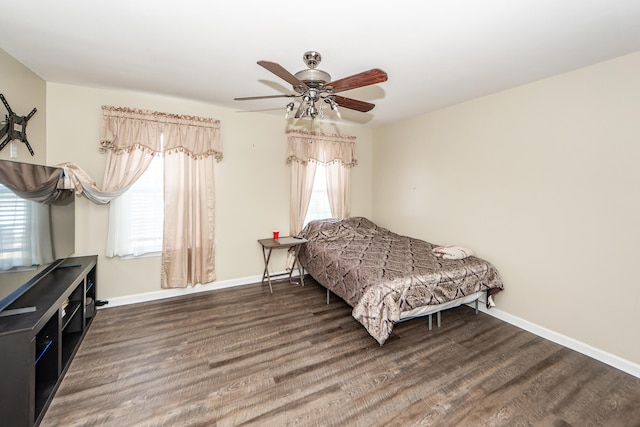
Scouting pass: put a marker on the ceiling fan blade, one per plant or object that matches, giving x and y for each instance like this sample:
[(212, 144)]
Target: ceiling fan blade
[(279, 71), (365, 78), (246, 98), (353, 104)]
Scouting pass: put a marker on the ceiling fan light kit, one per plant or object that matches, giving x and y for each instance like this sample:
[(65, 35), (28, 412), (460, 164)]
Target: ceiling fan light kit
[(316, 90)]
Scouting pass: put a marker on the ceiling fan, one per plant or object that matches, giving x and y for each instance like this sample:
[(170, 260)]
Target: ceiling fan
[(313, 86)]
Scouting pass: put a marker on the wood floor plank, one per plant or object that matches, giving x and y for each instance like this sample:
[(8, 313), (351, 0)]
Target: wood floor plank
[(244, 356)]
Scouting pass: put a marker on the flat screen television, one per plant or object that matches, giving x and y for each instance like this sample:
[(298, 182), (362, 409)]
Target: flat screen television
[(37, 227)]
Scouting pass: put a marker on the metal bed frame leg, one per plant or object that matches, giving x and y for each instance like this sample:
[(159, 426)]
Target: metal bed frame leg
[(476, 303), (438, 320), (327, 296)]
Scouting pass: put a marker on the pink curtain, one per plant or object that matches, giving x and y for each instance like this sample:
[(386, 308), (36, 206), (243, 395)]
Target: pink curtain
[(302, 176), (191, 146), (131, 139)]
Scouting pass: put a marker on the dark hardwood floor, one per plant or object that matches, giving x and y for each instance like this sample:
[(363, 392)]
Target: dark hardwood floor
[(243, 356)]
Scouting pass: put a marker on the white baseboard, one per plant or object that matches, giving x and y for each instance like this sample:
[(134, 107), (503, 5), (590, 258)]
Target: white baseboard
[(170, 293), (595, 353)]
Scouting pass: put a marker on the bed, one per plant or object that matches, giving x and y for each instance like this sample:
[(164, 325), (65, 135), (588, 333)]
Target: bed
[(387, 277)]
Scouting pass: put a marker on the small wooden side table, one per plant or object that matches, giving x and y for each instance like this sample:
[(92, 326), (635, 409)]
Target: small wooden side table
[(282, 243)]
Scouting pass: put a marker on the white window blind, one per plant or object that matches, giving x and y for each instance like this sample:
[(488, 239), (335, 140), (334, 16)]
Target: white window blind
[(13, 226)]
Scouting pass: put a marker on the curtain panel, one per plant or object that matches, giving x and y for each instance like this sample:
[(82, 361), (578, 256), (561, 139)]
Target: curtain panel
[(131, 138), (191, 146), (75, 178)]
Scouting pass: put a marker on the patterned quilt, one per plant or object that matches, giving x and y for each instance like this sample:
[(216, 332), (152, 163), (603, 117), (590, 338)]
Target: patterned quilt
[(381, 274)]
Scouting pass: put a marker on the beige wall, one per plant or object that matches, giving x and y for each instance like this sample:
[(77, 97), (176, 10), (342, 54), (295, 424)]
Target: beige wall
[(252, 181), (543, 181), (24, 91)]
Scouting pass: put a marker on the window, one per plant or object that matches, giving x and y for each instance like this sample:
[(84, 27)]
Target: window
[(136, 218), (319, 205), (25, 232), (13, 216)]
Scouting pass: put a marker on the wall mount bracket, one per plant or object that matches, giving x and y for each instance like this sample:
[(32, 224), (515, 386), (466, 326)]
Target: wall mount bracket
[(14, 126)]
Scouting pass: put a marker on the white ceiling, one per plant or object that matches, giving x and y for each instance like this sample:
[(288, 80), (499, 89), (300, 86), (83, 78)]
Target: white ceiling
[(436, 52)]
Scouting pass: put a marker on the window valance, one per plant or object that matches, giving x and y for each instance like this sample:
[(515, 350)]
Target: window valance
[(126, 129), (323, 148)]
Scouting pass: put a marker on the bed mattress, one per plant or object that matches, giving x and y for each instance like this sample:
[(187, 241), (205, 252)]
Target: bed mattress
[(382, 274)]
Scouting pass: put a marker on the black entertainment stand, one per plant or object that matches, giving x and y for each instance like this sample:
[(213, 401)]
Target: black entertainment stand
[(38, 344)]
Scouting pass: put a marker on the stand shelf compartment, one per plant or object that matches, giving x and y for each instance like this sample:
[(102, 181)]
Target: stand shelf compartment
[(37, 346)]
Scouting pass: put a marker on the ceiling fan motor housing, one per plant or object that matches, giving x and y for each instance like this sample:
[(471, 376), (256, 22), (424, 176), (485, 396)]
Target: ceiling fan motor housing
[(313, 78)]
